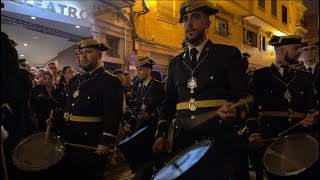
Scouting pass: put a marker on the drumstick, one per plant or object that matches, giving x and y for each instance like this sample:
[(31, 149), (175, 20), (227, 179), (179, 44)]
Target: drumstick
[(48, 127), (296, 125), (204, 117), (4, 165), (83, 146)]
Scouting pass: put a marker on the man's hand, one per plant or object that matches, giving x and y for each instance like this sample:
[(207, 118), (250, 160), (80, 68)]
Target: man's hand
[(144, 115), (256, 140), (103, 149), (227, 113), (49, 122), (308, 121), (4, 134), (161, 145)]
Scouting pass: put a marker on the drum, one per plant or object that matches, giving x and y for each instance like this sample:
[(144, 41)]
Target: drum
[(33, 154), (291, 155), (137, 148), (189, 164)]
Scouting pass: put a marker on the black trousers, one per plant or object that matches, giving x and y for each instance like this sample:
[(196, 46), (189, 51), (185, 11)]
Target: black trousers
[(82, 164)]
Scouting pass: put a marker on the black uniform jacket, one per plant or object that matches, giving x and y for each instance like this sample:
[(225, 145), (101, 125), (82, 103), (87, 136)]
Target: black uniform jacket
[(100, 95), (268, 91), (220, 75)]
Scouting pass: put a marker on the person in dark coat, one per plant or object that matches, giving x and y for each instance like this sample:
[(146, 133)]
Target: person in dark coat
[(150, 95), (283, 97), (204, 78), (92, 114), (310, 58), (15, 107)]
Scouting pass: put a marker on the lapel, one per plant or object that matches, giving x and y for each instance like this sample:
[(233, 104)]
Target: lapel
[(274, 70), (208, 52)]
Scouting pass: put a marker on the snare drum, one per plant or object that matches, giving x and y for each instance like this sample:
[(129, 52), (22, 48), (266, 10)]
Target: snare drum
[(32, 154), (198, 161), (137, 148), (292, 155)]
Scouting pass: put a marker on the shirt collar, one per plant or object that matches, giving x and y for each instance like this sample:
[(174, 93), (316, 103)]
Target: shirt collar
[(199, 47), (313, 66), (147, 82)]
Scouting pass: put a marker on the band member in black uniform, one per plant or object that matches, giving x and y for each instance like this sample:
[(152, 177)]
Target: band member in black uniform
[(203, 78), (310, 58), (283, 95), (150, 95), (16, 87), (92, 114)]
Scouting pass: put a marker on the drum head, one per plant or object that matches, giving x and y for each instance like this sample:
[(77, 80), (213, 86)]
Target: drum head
[(32, 154), (133, 135), (183, 161), (291, 155)]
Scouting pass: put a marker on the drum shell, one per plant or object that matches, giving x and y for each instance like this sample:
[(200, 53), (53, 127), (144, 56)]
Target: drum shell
[(209, 166), (137, 149), (55, 146), (302, 153)]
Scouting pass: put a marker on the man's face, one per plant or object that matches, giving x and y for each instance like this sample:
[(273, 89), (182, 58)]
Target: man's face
[(127, 80), (89, 58), (292, 53), (53, 68), (195, 25), (143, 73), (310, 53)]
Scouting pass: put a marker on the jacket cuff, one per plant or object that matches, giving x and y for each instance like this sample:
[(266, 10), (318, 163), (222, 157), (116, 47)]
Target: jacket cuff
[(107, 138), (162, 128)]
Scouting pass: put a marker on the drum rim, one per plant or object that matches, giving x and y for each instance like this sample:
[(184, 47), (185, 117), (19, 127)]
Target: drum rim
[(297, 171), (184, 152), (133, 135), (24, 168)]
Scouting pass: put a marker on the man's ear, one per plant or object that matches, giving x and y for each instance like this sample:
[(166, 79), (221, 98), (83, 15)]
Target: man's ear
[(100, 54)]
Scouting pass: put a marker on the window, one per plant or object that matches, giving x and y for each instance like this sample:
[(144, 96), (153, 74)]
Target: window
[(274, 7), (284, 14), (250, 38), (222, 27), (113, 42), (262, 43), (261, 4), (166, 11)]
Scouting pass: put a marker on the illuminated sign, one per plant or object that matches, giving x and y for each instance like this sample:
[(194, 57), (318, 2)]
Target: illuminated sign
[(60, 7)]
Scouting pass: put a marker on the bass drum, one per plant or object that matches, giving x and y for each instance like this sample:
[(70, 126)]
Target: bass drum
[(191, 163), (293, 155), (33, 154), (137, 148)]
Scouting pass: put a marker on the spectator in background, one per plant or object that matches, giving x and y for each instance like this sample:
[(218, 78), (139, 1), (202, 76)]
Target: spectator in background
[(120, 74), (40, 76), (53, 68), (67, 73), (156, 75), (44, 97), (33, 75)]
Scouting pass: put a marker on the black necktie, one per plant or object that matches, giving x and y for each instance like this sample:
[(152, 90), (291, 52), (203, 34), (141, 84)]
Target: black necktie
[(286, 70), (143, 89), (310, 69), (193, 54)]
